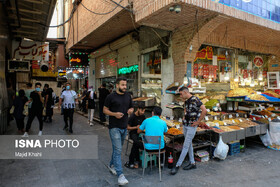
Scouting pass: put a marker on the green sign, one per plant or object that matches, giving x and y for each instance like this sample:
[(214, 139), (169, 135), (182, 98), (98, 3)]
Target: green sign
[(127, 70)]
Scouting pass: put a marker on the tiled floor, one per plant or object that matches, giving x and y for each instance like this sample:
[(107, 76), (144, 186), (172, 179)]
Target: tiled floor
[(258, 166)]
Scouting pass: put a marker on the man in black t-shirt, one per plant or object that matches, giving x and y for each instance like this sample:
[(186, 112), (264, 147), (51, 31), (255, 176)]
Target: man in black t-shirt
[(134, 123), (118, 105), (36, 109), (103, 93)]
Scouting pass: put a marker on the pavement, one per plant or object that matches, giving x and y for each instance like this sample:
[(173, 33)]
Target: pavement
[(258, 166)]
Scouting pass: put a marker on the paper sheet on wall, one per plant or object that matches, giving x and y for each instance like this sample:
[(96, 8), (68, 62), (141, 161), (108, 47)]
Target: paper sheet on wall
[(250, 65), (215, 60)]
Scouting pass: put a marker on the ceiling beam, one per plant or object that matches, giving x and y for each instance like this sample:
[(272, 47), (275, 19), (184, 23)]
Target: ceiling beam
[(25, 19), (25, 26), (28, 11), (25, 32), (34, 1)]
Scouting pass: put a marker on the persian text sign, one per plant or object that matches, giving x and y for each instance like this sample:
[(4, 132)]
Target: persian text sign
[(30, 50)]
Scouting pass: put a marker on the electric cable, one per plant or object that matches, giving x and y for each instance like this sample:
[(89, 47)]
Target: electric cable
[(101, 13), (118, 4)]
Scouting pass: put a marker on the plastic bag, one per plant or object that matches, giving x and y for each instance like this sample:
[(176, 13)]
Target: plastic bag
[(221, 150), (266, 140)]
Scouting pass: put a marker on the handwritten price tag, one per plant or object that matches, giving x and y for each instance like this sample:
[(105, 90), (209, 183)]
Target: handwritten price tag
[(240, 120), (254, 118), (206, 118), (230, 116), (233, 121), (269, 119), (237, 115), (215, 118), (208, 110), (245, 115), (217, 124), (177, 126), (225, 123)]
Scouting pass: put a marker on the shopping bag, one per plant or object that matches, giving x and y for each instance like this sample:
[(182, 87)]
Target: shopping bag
[(12, 110), (25, 110), (44, 112), (221, 150), (266, 140)]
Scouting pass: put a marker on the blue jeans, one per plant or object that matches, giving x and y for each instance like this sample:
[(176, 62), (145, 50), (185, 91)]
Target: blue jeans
[(189, 133), (117, 137)]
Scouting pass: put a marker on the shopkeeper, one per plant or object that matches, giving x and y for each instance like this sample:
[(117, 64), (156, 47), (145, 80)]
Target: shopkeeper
[(194, 111)]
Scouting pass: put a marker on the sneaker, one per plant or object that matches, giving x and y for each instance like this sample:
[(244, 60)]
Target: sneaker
[(71, 131), (128, 165), (122, 180), (190, 166), (40, 133), (25, 135), (112, 170), (91, 124), (174, 170)]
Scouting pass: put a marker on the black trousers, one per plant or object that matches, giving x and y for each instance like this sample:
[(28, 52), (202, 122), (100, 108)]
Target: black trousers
[(101, 114), (84, 105), (20, 123), (68, 113), (137, 144), (32, 114)]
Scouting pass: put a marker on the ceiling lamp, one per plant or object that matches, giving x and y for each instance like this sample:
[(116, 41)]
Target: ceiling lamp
[(226, 76), (260, 76), (186, 80), (236, 78), (252, 84)]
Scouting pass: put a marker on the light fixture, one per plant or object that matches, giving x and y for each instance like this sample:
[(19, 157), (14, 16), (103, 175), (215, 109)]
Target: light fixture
[(236, 78), (226, 53), (190, 49), (243, 83), (186, 80), (252, 84), (171, 9), (177, 9), (260, 76), (226, 76)]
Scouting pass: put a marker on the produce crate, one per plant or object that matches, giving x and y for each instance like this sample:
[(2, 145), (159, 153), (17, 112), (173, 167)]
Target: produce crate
[(234, 148), (263, 127), (253, 131)]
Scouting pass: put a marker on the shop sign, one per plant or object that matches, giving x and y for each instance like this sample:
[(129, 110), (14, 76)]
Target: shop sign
[(207, 53), (37, 72), (155, 62), (127, 70), (258, 61), (30, 50), (78, 59)]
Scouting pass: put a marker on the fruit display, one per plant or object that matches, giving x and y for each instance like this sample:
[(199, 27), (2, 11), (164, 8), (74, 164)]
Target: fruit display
[(211, 103), (234, 127), (213, 113), (226, 129), (239, 92), (263, 120), (174, 131), (271, 93), (219, 97), (257, 97)]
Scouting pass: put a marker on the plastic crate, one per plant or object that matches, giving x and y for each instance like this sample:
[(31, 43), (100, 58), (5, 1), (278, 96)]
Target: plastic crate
[(234, 148)]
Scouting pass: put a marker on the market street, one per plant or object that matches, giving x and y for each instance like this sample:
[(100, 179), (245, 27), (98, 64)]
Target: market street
[(258, 166)]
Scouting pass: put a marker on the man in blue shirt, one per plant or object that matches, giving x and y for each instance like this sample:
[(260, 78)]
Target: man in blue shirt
[(154, 126)]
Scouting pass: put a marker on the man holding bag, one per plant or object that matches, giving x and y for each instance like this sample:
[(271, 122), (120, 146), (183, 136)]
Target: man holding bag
[(194, 112)]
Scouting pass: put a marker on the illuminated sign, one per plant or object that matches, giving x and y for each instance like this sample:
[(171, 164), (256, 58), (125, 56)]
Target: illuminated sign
[(127, 70), (207, 53), (258, 61), (78, 60)]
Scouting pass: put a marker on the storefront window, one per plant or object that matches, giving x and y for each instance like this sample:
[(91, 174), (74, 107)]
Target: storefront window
[(152, 63)]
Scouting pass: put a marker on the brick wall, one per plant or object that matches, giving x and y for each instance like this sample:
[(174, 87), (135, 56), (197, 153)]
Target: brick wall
[(84, 22), (185, 37)]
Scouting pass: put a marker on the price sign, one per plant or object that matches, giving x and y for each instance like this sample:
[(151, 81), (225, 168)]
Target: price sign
[(266, 116), (208, 110), (215, 118), (273, 115), (263, 117), (206, 118), (276, 108), (254, 118), (208, 124), (217, 124), (237, 115), (225, 123), (177, 126), (245, 115), (269, 119), (230, 116), (278, 117), (233, 121), (240, 120)]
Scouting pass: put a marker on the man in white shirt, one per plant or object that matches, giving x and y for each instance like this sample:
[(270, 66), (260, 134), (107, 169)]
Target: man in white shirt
[(69, 103)]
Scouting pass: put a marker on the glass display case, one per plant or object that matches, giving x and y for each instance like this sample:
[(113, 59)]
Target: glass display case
[(151, 87), (273, 80)]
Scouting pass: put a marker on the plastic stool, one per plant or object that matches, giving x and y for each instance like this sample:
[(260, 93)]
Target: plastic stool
[(154, 158)]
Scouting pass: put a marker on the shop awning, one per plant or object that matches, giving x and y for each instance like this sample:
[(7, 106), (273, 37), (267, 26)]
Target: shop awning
[(29, 18)]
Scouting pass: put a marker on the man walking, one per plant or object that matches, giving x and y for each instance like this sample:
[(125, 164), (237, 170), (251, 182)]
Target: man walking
[(91, 95), (84, 98), (69, 98), (36, 109), (28, 93), (118, 105), (195, 111), (103, 93)]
